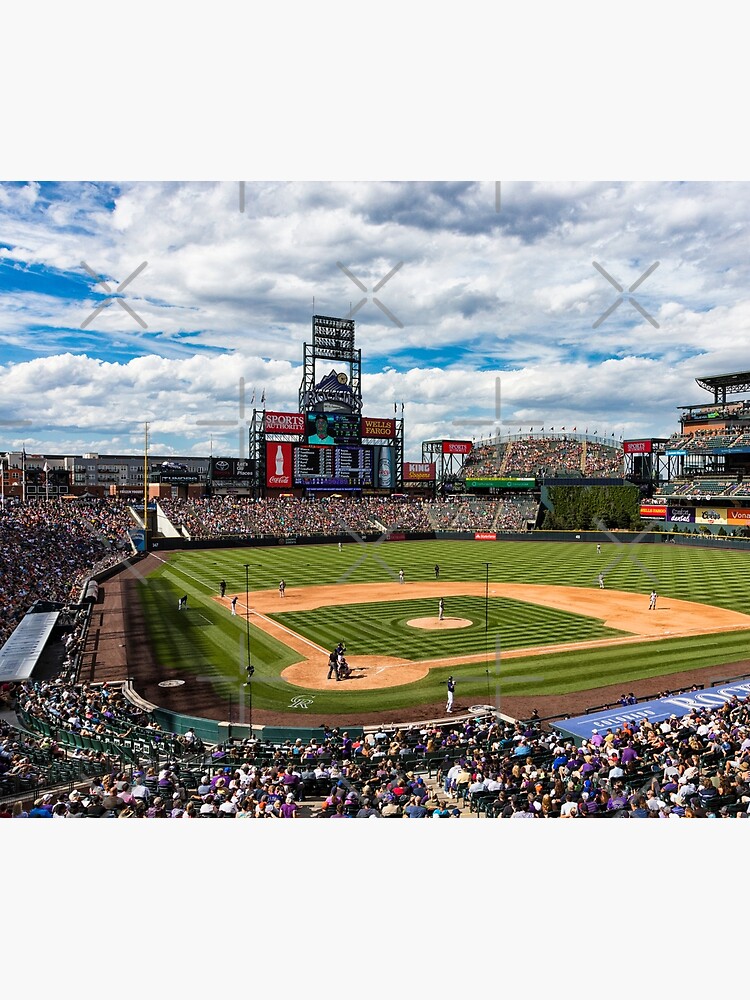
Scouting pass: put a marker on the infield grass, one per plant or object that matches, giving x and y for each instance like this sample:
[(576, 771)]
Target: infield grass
[(381, 628)]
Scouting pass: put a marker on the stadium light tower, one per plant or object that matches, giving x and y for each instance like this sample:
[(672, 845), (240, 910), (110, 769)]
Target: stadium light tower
[(250, 667), (145, 487), (486, 610)]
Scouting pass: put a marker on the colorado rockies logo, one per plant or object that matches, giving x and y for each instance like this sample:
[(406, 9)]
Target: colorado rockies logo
[(302, 701)]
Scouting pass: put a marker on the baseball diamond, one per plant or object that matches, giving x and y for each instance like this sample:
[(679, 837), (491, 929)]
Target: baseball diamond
[(544, 612)]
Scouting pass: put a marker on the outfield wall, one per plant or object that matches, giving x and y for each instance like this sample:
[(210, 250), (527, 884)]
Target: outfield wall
[(242, 541)]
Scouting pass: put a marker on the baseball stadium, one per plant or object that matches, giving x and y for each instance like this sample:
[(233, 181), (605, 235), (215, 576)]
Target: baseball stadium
[(549, 622)]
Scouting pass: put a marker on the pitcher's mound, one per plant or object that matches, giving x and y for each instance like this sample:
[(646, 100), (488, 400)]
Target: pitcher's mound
[(436, 623)]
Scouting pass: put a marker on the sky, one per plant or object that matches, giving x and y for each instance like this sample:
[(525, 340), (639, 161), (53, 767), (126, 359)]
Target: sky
[(489, 317)]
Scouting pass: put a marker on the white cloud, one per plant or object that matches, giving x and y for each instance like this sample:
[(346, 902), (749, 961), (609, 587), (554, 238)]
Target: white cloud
[(480, 293)]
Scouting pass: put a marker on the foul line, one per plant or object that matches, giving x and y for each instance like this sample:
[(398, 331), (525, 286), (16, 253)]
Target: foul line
[(295, 635)]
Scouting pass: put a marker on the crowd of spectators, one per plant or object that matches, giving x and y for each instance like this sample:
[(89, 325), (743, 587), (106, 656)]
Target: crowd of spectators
[(278, 517), (88, 710), (47, 548), (689, 767), (730, 436), (543, 455)]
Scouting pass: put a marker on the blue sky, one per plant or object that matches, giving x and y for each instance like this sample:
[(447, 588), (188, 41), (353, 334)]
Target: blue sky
[(480, 294)]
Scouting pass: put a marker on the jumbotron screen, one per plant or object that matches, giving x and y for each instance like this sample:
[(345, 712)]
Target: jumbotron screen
[(332, 428), (331, 467)]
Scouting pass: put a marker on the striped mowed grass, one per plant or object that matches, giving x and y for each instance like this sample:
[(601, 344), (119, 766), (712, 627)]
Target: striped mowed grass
[(709, 576)]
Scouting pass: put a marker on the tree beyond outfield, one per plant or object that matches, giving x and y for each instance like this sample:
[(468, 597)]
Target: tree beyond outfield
[(585, 508)]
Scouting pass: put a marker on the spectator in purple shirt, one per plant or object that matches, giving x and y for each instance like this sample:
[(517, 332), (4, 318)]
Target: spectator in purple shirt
[(289, 808)]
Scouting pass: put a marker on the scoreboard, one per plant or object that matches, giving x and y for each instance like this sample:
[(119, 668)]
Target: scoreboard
[(332, 467), (354, 463)]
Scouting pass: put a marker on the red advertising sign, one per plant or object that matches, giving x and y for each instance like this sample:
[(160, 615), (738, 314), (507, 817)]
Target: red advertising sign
[(456, 447), (419, 471), (374, 427), (738, 515), (278, 463), (653, 510), (485, 536), (285, 423), (636, 447)]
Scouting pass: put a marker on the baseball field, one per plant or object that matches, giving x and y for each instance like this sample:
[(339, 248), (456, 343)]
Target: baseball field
[(533, 622)]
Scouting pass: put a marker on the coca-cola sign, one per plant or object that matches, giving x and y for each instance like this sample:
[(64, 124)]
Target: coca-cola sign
[(285, 423), (278, 463)]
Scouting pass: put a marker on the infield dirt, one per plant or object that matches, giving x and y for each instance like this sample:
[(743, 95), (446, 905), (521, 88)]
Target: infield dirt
[(625, 612)]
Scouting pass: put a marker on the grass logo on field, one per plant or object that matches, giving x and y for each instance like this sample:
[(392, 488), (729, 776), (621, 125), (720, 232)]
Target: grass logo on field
[(301, 701)]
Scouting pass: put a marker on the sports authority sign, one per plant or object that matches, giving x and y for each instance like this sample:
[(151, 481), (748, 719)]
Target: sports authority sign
[(636, 447), (278, 463), (285, 423), (456, 447), (419, 472), (374, 427)]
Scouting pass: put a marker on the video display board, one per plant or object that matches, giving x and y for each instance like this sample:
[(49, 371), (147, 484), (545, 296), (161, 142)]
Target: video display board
[(332, 428), (329, 467), (231, 468)]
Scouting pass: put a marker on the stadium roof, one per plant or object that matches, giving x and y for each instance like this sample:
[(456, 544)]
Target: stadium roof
[(721, 384), (20, 654)]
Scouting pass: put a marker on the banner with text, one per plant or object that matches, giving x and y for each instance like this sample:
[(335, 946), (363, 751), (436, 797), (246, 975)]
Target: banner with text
[(710, 515), (582, 727), (681, 515), (456, 447), (658, 510), (419, 472), (636, 447), (373, 427), (285, 423)]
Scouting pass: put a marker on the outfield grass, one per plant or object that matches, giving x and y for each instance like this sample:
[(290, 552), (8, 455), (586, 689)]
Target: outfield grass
[(212, 643)]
